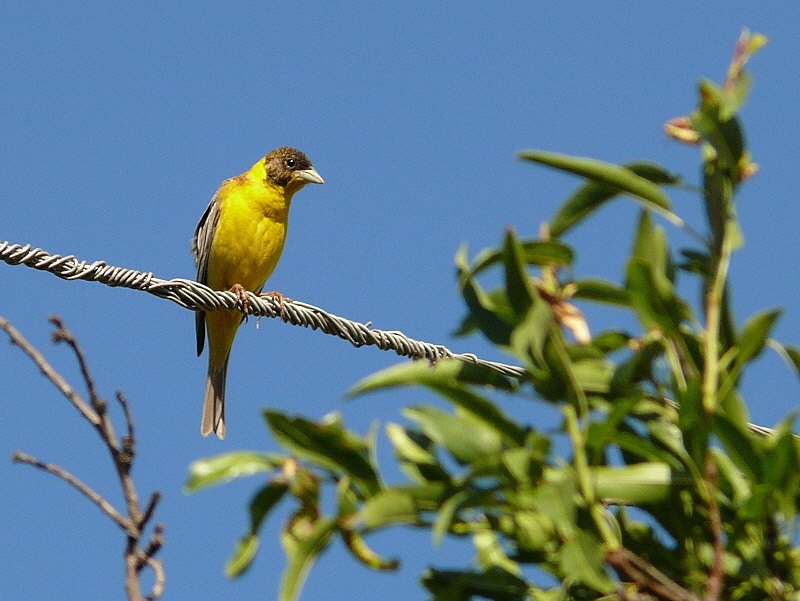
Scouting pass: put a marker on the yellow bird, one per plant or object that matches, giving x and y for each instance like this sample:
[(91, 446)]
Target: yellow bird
[(236, 246)]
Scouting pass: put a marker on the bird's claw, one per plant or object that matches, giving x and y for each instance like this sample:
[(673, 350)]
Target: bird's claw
[(281, 300), (241, 296)]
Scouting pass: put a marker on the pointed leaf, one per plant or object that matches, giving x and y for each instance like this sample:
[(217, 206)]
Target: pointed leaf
[(518, 286), (484, 312), (608, 180), (450, 373), (327, 444), (402, 505), (581, 559), (494, 584), (753, 339), (742, 447), (781, 460), (483, 410), (534, 252), (447, 514), (226, 467), (639, 484), (264, 502), (301, 555), (790, 354), (490, 551), (242, 558), (611, 341), (465, 438), (602, 291), (362, 552)]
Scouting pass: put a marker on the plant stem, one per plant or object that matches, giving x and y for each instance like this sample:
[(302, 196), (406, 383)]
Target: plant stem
[(713, 317), (585, 480)]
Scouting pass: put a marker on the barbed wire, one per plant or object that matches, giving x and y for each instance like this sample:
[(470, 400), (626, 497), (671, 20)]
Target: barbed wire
[(195, 296)]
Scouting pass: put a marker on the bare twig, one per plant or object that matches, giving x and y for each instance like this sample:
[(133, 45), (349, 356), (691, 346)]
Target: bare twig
[(150, 509), (127, 441), (58, 472), (51, 374), (61, 334), (122, 454)]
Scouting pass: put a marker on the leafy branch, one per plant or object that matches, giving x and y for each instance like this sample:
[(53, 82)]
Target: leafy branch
[(653, 419)]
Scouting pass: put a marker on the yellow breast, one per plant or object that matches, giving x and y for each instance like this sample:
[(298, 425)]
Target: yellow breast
[(250, 234)]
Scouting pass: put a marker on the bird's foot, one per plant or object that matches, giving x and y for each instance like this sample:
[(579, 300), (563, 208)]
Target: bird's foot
[(241, 296), (281, 300)]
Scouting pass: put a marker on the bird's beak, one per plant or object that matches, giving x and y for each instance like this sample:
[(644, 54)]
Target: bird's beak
[(310, 176)]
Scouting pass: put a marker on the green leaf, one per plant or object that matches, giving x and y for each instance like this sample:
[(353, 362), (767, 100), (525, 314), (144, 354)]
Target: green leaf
[(734, 99), (608, 180), (403, 505), (264, 502), (724, 136), (753, 339), (555, 499), (638, 484), (524, 465), (532, 531), (301, 555), (656, 305), (593, 375), (494, 584), (450, 373), (651, 249), (739, 483), (581, 559), (416, 455), (260, 506), (741, 445), (242, 557), (518, 286), (490, 551), (406, 447), (696, 261), (610, 341), (465, 438), (484, 411), (223, 468), (447, 514), (363, 553), (327, 444), (390, 507), (602, 291), (637, 368), (450, 378), (484, 311), (790, 354), (534, 252), (781, 460), (529, 337)]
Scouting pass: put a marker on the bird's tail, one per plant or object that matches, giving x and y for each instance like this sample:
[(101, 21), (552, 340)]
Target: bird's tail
[(214, 404)]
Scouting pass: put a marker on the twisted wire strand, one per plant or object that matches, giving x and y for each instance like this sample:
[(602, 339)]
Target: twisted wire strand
[(195, 296)]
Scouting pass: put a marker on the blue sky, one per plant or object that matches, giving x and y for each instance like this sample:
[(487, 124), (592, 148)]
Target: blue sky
[(117, 124)]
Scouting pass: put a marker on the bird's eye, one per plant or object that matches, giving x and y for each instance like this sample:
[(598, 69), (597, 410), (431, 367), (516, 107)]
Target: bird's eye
[(290, 163)]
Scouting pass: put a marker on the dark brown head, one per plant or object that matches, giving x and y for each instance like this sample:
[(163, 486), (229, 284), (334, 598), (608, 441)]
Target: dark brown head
[(289, 168)]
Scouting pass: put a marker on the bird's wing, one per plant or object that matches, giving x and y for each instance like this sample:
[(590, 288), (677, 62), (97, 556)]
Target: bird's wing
[(201, 249)]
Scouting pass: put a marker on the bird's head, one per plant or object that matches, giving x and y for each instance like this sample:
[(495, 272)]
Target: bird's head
[(289, 168)]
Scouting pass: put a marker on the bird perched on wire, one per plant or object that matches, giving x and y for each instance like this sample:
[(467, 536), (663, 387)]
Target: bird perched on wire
[(236, 246)]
